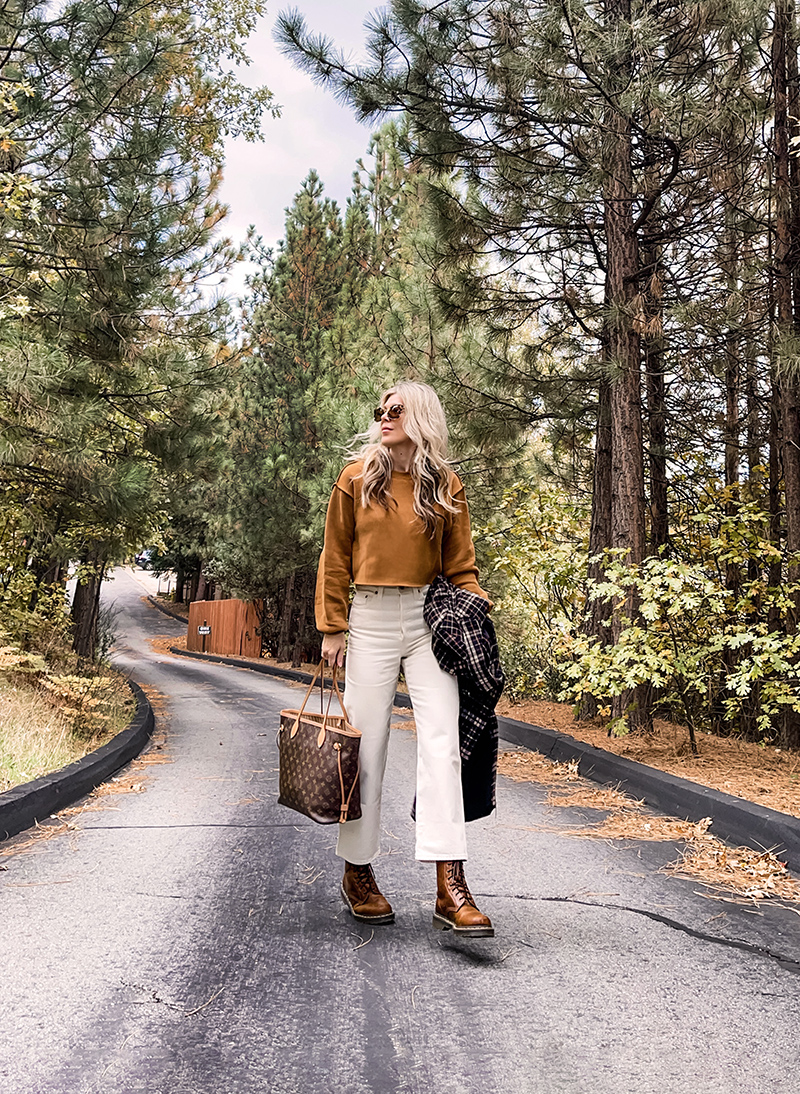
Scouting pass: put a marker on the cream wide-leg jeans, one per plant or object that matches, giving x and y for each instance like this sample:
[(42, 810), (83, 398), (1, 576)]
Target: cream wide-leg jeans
[(387, 632)]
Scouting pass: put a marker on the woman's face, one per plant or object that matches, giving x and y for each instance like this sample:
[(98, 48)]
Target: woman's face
[(392, 429)]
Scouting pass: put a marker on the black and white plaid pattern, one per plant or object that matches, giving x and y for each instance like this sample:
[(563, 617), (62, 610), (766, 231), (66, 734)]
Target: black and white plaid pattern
[(465, 645)]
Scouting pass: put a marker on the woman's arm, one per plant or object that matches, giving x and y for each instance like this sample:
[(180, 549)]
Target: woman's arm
[(458, 550), (336, 564)]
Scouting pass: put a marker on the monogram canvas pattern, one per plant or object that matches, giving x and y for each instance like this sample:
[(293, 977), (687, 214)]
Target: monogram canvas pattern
[(309, 772)]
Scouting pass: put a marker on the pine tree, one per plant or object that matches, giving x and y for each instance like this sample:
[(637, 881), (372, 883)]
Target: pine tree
[(104, 377), (573, 144), (268, 534)]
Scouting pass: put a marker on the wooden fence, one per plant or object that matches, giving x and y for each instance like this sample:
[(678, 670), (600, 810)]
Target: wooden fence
[(233, 628)]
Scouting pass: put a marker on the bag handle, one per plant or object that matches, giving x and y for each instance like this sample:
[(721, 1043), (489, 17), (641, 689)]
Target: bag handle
[(319, 667), (325, 714)]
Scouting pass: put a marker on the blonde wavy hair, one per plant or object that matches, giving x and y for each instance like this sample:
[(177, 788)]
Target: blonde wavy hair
[(425, 424)]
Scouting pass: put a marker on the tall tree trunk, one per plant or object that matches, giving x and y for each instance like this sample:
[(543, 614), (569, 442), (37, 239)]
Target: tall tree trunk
[(787, 218), (655, 388), (194, 585), (85, 608), (753, 426), (180, 583), (598, 618), (287, 611), (627, 457), (731, 435), (732, 422), (790, 381), (782, 273), (203, 586)]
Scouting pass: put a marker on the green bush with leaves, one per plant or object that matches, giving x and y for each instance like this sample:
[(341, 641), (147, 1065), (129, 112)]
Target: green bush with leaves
[(694, 641), (710, 633), (45, 628), (535, 547)]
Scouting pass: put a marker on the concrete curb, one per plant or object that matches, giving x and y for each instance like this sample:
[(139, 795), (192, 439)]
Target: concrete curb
[(735, 820), (25, 805), (166, 611)]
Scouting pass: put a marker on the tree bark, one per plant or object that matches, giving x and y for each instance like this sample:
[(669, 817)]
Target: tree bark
[(287, 611), (598, 616), (655, 388), (180, 583), (787, 276), (622, 270), (85, 608), (202, 586), (194, 585), (786, 408)]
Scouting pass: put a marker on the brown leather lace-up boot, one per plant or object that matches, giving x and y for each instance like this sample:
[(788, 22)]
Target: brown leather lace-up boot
[(363, 897), (455, 907)]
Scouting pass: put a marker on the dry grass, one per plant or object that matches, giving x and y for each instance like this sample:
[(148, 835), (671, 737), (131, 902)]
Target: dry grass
[(41, 732), (35, 738)]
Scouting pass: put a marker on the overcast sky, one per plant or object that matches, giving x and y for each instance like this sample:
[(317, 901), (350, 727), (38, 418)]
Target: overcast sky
[(313, 130)]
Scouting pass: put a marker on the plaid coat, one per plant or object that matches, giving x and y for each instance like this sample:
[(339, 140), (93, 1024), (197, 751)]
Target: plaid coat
[(465, 645)]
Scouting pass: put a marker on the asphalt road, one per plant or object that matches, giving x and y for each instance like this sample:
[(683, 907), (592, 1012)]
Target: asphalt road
[(189, 939)]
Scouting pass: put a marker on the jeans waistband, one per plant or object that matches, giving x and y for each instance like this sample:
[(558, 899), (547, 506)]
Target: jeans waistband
[(392, 590)]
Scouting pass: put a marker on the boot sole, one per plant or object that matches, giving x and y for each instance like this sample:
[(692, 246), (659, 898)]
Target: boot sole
[(442, 924), (376, 920)]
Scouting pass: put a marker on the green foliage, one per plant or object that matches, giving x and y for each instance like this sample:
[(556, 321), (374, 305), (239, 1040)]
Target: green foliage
[(680, 643), (285, 430), (36, 661), (112, 349), (34, 618), (535, 545), (608, 252), (717, 654), (338, 312)]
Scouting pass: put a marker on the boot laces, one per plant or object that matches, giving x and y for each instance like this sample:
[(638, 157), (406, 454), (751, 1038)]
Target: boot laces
[(364, 877), (458, 883)]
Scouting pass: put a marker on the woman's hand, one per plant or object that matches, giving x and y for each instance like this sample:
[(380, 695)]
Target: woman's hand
[(333, 648)]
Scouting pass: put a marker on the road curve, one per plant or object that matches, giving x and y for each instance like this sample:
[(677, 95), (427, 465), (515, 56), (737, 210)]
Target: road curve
[(188, 938)]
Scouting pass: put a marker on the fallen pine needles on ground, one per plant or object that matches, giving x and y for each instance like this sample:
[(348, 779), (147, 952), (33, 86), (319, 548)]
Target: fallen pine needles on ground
[(745, 873), (760, 773), (750, 874), (162, 643)]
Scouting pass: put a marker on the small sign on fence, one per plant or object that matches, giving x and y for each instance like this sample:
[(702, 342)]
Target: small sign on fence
[(223, 626)]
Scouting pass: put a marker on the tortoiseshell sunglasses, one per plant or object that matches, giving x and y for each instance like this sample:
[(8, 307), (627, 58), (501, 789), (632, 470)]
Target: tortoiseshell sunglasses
[(390, 412)]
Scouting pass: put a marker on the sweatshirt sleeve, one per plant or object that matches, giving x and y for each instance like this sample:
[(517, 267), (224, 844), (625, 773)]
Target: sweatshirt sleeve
[(458, 550), (336, 563)]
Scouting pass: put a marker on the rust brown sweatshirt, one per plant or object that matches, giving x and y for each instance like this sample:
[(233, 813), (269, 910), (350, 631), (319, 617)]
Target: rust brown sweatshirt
[(376, 546)]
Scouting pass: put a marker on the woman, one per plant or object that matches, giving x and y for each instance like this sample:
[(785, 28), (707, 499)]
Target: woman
[(397, 517)]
